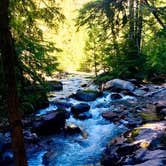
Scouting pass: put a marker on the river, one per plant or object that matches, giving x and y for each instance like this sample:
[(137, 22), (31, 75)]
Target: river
[(78, 150)]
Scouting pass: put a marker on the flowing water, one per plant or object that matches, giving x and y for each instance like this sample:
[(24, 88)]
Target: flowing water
[(78, 150)]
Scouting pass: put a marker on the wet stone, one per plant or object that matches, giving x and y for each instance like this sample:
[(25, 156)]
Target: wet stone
[(153, 162), (50, 123), (143, 155), (87, 95), (55, 85), (83, 116), (62, 105), (80, 111), (116, 96), (72, 128), (110, 116), (80, 108)]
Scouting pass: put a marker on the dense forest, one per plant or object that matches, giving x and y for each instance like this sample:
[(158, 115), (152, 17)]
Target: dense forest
[(42, 41)]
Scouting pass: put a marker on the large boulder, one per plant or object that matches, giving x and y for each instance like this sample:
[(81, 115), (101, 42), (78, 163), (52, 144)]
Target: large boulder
[(118, 83), (87, 95), (50, 123)]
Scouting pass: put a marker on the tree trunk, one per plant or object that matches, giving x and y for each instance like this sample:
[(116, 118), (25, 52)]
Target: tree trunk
[(131, 20), (138, 26), (139, 38), (7, 53)]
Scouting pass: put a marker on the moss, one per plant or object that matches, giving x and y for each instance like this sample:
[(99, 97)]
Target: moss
[(134, 133), (149, 116), (34, 98)]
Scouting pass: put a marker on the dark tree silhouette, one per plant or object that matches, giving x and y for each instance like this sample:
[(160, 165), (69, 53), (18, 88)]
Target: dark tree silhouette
[(7, 54)]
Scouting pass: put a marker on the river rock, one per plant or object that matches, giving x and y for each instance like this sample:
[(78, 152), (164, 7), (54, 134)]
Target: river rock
[(115, 96), (72, 128), (109, 115), (7, 159), (118, 83), (80, 111), (50, 123), (139, 92), (30, 137), (80, 108), (144, 155), (87, 95), (127, 149), (83, 116), (160, 107), (163, 111), (153, 162), (55, 85), (133, 121), (62, 104)]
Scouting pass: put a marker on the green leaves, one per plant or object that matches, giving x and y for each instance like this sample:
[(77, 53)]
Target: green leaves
[(29, 19)]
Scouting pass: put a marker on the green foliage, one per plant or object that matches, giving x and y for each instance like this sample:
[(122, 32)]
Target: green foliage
[(34, 98), (33, 50), (32, 22), (155, 50), (123, 52)]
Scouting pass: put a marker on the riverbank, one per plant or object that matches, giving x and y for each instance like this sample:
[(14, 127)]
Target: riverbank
[(144, 143)]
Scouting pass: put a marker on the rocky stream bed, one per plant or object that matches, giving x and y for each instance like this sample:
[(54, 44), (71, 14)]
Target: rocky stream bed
[(124, 124)]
